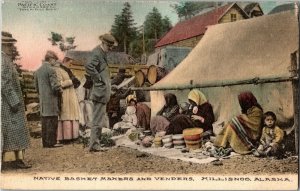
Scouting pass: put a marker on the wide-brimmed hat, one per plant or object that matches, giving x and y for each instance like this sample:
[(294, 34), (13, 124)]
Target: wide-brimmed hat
[(7, 38), (109, 39)]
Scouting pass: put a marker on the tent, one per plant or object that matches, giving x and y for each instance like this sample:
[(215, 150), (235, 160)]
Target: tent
[(254, 48)]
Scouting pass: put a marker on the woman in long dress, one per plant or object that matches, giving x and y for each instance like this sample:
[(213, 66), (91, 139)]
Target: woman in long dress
[(68, 124)]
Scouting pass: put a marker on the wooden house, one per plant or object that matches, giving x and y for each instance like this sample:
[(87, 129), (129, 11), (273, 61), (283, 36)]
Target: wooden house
[(189, 32), (253, 10), (116, 60)]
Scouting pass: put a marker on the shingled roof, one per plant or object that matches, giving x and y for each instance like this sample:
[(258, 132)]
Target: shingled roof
[(195, 26), (113, 57)]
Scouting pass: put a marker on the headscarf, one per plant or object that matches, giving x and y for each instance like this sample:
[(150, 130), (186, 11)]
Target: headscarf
[(131, 97), (197, 96), (171, 100), (247, 100)]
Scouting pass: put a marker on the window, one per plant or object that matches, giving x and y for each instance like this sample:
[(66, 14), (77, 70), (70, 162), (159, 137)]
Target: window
[(233, 17)]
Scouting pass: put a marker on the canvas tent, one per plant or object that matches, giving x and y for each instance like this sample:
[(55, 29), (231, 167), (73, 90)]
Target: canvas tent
[(254, 48)]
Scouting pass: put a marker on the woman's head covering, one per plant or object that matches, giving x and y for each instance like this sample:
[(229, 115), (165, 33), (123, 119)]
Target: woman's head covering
[(130, 98), (171, 99), (197, 96), (51, 54), (247, 100)]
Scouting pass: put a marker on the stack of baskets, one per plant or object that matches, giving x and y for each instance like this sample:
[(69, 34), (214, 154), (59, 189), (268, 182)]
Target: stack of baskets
[(178, 141), (192, 138), (158, 138), (167, 141)]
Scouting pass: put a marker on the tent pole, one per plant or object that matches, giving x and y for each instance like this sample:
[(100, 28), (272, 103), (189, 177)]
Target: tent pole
[(219, 84), (295, 84), (297, 87)]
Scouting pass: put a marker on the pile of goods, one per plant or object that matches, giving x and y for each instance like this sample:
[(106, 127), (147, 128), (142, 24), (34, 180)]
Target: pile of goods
[(178, 141), (167, 141)]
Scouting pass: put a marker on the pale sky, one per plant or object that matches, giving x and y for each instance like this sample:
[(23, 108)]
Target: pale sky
[(84, 19)]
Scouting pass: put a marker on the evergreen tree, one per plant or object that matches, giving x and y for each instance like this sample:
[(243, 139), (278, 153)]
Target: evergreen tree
[(153, 24), (188, 9), (166, 24), (64, 44), (124, 29)]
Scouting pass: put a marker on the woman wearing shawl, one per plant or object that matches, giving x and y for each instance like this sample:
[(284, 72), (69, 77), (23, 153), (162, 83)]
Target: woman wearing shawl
[(243, 131), (162, 119), (200, 114)]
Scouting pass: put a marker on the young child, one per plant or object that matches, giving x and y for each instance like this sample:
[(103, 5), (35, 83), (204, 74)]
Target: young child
[(272, 136), (129, 119)]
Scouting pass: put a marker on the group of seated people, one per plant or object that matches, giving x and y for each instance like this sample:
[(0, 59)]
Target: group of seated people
[(252, 131)]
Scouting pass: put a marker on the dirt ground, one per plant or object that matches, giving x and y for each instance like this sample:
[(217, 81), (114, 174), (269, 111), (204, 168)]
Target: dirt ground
[(121, 160)]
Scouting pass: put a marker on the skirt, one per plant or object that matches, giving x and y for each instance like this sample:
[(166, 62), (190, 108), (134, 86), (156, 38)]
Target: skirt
[(67, 130)]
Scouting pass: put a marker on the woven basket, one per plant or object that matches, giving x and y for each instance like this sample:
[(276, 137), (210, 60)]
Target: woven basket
[(192, 138), (157, 142)]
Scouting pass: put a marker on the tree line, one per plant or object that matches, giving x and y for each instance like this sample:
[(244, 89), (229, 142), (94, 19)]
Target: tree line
[(139, 40)]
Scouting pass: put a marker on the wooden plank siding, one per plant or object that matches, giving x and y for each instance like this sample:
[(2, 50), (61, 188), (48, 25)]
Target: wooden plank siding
[(227, 17), (130, 69), (191, 42)]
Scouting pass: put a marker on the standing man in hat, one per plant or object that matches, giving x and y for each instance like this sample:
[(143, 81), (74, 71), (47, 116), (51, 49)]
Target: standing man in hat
[(97, 69), (49, 90), (14, 134)]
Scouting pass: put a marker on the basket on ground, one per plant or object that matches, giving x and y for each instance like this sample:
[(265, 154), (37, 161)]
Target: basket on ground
[(192, 138)]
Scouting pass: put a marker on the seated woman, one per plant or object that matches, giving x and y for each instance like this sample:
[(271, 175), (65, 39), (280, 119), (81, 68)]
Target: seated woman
[(129, 119), (243, 131), (161, 121), (200, 114), (143, 112)]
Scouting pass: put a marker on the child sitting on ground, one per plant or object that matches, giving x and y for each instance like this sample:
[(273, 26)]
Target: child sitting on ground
[(129, 119), (272, 136)]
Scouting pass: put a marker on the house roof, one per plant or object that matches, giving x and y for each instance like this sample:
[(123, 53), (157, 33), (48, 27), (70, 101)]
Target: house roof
[(195, 26), (248, 8), (81, 57)]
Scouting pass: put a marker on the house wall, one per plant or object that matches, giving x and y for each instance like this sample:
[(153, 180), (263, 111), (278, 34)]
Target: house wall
[(191, 42), (227, 17), (130, 69)]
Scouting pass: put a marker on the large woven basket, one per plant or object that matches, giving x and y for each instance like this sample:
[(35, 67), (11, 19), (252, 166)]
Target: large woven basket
[(192, 138)]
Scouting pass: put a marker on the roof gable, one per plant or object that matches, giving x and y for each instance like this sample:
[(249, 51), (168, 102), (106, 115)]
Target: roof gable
[(249, 8), (195, 26)]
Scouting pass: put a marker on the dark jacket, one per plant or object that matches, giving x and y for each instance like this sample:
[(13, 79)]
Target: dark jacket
[(97, 68), (48, 89)]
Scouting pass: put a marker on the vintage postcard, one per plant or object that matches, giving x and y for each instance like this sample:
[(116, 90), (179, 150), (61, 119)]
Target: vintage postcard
[(149, 95)]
